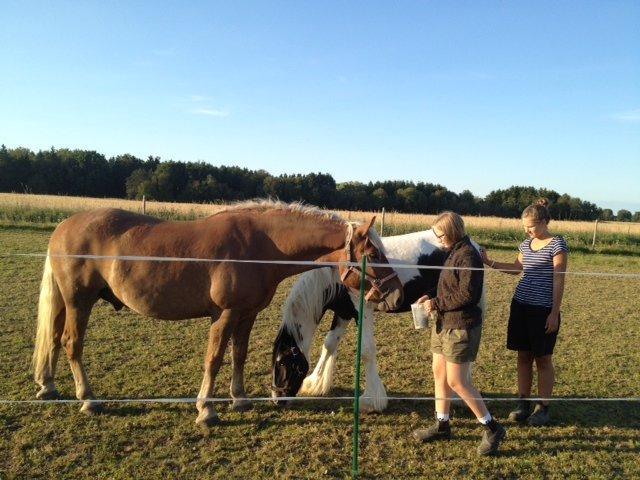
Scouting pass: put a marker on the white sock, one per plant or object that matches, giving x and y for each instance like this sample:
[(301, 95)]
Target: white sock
[(442, 417), (486, 419)]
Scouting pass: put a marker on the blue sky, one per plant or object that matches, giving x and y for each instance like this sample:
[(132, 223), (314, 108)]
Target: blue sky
[(472, 95)]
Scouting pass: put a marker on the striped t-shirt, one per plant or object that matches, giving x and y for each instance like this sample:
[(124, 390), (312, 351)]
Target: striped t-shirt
[(536, 284)]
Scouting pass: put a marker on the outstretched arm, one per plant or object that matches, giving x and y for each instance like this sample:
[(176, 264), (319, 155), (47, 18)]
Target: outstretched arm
[(514, 268)]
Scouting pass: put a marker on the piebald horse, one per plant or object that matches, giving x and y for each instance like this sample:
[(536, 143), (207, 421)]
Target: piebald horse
[(320, 290), (82, 267)]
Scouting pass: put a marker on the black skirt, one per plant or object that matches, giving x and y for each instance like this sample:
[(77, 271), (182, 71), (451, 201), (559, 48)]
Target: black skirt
[(526, 330)]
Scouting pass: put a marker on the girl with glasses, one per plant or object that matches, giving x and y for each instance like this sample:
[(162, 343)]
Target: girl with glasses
[(455, 336)]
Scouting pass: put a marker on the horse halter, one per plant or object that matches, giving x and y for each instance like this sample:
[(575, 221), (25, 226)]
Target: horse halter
[(376, 283)]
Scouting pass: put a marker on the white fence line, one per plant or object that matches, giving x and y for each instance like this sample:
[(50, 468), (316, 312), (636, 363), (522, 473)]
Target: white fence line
[(139, 258), (303, 399)]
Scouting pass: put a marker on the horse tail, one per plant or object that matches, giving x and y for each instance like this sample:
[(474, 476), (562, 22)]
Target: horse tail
[(49, 307)]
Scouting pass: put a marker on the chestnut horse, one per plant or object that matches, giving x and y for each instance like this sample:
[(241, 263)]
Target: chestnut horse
[(82, 267)]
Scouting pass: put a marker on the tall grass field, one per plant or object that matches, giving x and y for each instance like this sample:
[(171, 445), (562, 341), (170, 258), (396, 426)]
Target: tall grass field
[(129, 356), (49, 210)]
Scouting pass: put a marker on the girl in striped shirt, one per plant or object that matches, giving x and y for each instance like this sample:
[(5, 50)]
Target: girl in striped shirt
[(534, 320)]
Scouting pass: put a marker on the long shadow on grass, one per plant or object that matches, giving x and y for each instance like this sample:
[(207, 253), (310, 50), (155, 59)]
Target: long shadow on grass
[(619, 414), (583, 413)]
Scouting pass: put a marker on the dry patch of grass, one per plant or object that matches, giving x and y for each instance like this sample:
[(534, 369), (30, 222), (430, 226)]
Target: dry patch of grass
[(46, 211), (396, 220)]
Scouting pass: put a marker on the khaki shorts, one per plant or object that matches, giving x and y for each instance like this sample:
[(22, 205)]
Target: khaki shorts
[(457, 345)]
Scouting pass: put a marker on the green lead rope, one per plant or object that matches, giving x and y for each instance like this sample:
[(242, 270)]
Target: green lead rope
[(356, 399)]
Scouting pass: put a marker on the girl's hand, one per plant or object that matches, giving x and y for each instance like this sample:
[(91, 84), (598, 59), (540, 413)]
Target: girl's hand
[(552, 322), (423, 299), (485, 258), (430, 305)]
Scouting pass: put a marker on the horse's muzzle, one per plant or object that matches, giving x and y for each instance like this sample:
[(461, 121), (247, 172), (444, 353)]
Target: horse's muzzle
[(391, 301), (275, 398)]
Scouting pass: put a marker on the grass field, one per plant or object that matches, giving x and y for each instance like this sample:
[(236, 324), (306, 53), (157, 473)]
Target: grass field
[(132, 357)]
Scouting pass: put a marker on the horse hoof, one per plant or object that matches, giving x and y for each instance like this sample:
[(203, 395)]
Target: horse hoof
[(46, 394), (365, 408), (206, 422), (241, 405), (92, 408)]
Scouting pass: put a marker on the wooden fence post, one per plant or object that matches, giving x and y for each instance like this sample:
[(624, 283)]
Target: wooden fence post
[(144, 205), (382, 223), (595, 233)]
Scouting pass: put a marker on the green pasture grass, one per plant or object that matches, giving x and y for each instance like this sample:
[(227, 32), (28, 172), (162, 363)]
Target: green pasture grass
[(128, 356)]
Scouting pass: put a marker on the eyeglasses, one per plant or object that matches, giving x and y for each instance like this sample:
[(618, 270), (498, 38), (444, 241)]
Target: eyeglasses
[(439, 237)]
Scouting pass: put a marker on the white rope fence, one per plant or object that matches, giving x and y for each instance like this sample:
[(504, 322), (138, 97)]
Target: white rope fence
[(305, 399), (139, 258)]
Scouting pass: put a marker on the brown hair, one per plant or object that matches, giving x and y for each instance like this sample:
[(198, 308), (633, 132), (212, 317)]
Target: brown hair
[(451, 225), (538, 211)]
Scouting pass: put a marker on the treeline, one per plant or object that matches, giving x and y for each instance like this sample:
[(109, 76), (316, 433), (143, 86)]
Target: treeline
[(91, 174)]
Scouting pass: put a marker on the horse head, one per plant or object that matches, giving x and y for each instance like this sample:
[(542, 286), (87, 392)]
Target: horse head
[(384, 288), (289, 367)]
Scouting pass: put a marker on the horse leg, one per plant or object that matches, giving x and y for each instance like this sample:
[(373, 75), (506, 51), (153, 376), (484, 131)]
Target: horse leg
[(219, 334), (75, 327), (374, 397), (239, 347), (320, 381)]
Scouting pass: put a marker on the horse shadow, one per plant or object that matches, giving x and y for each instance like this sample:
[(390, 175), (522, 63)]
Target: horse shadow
[(261, 416)]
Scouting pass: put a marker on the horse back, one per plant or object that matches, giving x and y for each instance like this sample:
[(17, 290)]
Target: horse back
[(111, 231), (159, 288)]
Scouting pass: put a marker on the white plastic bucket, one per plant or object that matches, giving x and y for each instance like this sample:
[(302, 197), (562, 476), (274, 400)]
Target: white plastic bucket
[(420, 316)]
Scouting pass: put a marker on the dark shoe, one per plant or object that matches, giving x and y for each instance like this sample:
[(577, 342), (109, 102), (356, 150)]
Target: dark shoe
[(437, 431), (540, 416), (522, 411), (493, 435)]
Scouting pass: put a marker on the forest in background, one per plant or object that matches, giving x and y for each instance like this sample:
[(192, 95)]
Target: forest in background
[(89, 173)]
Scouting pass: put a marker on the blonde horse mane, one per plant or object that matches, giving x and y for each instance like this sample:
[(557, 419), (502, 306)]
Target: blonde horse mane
[(271, 204), (306, 299)]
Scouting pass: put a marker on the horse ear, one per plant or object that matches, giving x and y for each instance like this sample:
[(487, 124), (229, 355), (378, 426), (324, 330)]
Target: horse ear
[(372, 222), (363, 229)]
